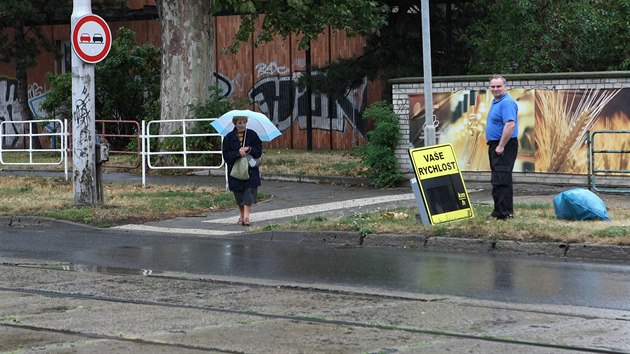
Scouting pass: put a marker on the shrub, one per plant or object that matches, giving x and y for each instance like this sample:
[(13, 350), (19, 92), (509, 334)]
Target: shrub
[(379, 152)]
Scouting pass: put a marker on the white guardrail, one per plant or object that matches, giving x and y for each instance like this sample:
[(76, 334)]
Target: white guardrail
[(54, 129), (57, 131), (179, 130)]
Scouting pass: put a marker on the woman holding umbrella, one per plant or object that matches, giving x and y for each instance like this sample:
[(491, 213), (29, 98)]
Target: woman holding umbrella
[(238, 143)]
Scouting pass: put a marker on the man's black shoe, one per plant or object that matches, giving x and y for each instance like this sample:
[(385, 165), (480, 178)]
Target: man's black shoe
[(501, 217)]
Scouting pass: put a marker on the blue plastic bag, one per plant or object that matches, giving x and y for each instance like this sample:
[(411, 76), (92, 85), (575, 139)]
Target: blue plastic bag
[(579, 204)]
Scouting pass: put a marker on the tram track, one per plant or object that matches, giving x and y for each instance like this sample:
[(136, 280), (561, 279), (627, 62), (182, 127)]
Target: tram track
[(158, 306)]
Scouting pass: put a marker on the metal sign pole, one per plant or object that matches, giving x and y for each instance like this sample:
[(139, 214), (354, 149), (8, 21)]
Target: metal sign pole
[(83, 119), (429, 127)]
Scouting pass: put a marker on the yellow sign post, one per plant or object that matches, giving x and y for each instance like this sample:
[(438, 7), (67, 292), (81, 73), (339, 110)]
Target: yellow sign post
[(441, 184)]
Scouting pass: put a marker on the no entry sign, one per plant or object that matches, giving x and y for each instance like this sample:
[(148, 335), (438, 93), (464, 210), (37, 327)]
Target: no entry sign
[(91, 39)]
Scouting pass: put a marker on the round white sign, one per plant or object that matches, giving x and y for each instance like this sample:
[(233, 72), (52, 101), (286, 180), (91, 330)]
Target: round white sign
[(91, 39)]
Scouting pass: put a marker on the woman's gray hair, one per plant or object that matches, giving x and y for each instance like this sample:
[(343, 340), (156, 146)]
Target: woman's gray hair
[(237, 118)]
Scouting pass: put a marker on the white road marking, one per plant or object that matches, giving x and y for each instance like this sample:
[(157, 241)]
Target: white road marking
[(271, 215), (173, 230), (311, 209)]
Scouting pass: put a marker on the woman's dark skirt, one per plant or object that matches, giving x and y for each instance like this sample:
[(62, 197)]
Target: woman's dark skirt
[(246, 197)]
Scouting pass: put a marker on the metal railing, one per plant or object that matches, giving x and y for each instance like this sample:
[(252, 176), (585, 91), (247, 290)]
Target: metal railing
[(150, 145), (105, 132), (179, 137), (54, 129), (594, 174)]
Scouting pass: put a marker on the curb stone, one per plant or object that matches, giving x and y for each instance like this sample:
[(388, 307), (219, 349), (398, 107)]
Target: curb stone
[(467, 245)]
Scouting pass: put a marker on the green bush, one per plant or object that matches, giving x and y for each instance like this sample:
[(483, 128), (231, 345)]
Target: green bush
[(378, 155)]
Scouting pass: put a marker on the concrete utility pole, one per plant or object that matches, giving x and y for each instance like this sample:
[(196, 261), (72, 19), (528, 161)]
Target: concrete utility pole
[(83, 119), (429, 127)]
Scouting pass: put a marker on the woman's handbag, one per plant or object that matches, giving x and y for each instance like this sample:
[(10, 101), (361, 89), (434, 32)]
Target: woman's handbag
[(240, 170)]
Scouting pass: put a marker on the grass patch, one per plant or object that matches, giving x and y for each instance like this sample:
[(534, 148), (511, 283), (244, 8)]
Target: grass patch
[(312, 163), (132, 203), (532, 223), (124, 203), (275, 161)]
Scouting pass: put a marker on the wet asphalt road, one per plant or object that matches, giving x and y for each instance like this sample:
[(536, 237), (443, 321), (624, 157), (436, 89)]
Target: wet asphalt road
[(169, 288), (492, 277), (506, 278)]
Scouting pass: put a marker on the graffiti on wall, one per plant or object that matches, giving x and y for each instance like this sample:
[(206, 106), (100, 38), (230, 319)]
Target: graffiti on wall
[(36, 96), (270, 69), (279, 97), (230, 87), (283, 100), (10, 109), (553, 125)]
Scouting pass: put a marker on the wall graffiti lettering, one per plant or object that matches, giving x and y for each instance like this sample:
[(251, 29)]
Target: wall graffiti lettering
[(282, 100), (263, 69), (9, 110), (36, 96), (35, 89), (230, 87)]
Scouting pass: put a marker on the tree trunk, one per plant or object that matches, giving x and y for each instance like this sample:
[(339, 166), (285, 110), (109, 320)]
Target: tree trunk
[(188, 57), (22, 89)]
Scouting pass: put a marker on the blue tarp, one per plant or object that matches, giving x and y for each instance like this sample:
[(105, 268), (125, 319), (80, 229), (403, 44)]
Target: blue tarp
[(579, 204)]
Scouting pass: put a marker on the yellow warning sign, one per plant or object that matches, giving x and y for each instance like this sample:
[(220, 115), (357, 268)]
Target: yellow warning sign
[(434, 161), (441, 183)]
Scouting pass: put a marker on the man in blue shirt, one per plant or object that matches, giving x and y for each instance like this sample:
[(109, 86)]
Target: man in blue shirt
[(501, 134)]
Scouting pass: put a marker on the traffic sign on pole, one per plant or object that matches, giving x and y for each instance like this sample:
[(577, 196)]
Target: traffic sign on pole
[(91, 39)]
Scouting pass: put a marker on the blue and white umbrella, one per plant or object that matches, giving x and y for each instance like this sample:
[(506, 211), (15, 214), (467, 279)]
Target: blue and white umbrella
[(256, 121)]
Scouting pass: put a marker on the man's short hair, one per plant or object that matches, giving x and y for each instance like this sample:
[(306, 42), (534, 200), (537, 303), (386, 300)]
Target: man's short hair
[(497, 76)]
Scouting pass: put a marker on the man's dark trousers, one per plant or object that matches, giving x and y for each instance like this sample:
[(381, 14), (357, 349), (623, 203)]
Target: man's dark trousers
[(501, 178)]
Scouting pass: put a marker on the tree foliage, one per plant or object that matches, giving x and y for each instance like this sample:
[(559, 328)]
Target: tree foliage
[(395, 49), (308, 18), (25, 16), (128, 80), (549, 36), (127, 85)]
